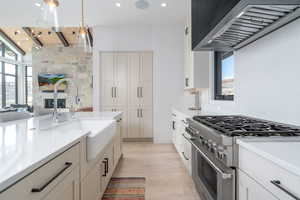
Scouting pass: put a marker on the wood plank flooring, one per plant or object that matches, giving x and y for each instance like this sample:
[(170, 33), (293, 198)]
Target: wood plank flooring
[(166, 176)]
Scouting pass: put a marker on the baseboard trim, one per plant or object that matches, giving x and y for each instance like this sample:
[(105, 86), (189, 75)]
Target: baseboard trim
[(138, 140)]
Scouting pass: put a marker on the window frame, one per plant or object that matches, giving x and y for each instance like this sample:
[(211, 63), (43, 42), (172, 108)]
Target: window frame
[(218, 57), (26, 83), (3, 74)]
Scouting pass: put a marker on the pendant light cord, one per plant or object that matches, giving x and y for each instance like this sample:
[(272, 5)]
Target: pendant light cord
[(82, 14)]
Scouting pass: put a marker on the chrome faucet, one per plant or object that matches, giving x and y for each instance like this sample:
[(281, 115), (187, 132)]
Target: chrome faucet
[(55, 96)]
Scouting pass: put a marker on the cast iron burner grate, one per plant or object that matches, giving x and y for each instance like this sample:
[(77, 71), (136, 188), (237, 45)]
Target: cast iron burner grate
[(245, 126)]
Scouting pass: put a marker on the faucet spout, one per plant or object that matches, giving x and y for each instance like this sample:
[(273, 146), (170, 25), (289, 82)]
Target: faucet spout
[(55, 96)]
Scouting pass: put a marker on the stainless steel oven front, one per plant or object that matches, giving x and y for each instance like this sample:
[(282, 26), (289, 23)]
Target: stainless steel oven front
[(213, 180)]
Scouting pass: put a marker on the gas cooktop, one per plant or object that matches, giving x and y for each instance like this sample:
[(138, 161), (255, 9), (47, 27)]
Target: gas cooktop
[(233, 125)]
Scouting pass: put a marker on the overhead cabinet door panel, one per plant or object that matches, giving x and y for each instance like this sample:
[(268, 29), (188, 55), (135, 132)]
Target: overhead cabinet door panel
[(134, 79), (146, 66), (107, 77), (121, 69)]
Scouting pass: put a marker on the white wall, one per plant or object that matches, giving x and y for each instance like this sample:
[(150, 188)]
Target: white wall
[(267, 78), (166, 42)]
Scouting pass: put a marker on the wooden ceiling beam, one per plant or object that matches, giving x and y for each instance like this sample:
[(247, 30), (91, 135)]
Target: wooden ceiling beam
[(28, 31), (62, 38), (11, 42), (90, 37)]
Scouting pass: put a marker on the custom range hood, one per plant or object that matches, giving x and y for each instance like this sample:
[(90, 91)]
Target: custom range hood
[(226, 25)]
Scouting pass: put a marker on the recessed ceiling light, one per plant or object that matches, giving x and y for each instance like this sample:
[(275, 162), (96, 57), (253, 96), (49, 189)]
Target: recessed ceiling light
[(163, 4), (26, 39), (118, 4), (38, 4)]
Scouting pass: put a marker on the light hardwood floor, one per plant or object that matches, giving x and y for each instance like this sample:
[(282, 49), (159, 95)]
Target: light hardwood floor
[(166, 176)]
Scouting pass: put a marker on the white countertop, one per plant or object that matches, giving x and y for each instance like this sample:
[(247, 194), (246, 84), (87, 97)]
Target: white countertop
[(24, 146), (190, 113), (283, 153)]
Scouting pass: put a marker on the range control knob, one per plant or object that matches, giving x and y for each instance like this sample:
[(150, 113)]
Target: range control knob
[(214, 148), (221, 153)]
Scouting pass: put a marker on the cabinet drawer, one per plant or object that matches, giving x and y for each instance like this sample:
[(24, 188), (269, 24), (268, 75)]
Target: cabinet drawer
[(41, 181), (265, 171)]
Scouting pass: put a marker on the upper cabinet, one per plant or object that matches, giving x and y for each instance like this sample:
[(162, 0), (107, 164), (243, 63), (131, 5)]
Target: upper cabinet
[(196, 64), (227, 25)]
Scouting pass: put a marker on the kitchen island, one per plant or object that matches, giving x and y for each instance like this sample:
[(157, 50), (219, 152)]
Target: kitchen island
[(26, 147)]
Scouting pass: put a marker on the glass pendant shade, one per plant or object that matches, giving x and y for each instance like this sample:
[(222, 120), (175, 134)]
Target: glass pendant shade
[(83, 40), (49, 18)]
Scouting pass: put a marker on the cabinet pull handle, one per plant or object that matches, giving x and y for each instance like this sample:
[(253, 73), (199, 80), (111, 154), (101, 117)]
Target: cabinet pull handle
[(104, 162), (184, 156), (278, 184), (141, 92), (67, 165), (138, 92), (106, 166), (186, 82), (138, 113), (141, 113), (112, 92), (115, 92)]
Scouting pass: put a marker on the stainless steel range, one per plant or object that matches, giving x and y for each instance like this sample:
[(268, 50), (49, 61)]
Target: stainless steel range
[(215, 155)]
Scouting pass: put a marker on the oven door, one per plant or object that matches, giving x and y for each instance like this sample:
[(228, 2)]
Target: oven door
[(213, 181)]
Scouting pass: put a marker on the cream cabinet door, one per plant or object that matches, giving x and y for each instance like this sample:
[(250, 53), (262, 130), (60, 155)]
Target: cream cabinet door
[(146, 94), (91, 185), (133, 123), (146, 67), (68, 189), (107, 61), (108, 93), (134, 79), (146, 123), (121, 77), (249, 189)]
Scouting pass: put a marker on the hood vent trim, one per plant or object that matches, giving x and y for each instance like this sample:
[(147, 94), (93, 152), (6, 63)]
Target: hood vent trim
[(252, 23)]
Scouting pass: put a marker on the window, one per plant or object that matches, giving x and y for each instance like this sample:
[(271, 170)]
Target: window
[(8, 77), (224, 76), (28, 85)]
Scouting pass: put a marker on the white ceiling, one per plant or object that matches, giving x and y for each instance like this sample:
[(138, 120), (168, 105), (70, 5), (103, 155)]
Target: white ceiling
[(98, 12)]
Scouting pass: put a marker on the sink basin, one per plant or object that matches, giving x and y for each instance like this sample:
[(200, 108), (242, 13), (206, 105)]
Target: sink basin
[(101, 132)]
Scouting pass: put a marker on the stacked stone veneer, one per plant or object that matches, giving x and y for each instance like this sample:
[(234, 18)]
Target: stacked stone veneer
[(71, 61)]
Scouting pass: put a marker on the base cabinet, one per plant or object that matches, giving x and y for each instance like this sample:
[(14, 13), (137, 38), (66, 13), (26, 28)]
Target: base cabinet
[(249, 189), (182, 145)]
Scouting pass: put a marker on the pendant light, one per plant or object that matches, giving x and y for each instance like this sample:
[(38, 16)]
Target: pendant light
[(49, 14), (83, 35)]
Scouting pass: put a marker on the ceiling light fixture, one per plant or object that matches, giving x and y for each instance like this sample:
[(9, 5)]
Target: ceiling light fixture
[(163, 4), (38, 4), (83, 34), (49, 14), (118, 4)]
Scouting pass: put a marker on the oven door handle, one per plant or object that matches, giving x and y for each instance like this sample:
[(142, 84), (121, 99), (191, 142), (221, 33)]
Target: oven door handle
[(223, 174)]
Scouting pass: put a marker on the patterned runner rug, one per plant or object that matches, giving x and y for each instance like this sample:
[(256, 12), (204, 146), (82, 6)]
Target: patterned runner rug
[(127, 188)]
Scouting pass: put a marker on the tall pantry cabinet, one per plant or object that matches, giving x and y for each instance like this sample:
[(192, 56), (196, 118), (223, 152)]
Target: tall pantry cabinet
[(127, 86)]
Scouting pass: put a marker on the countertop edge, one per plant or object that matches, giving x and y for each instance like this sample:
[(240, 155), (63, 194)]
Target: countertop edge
[(277, 161), (30, 169)]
